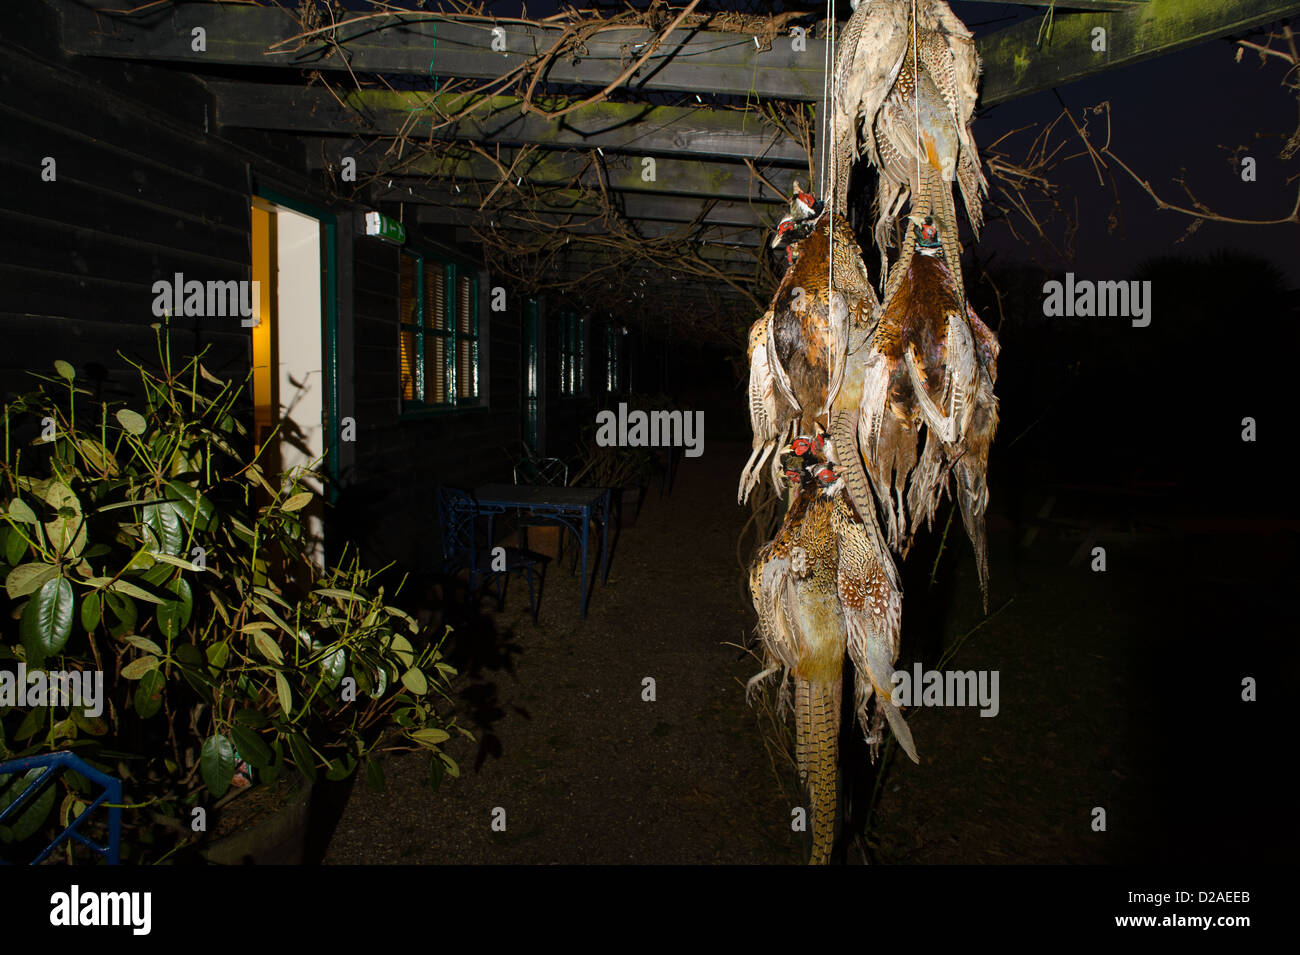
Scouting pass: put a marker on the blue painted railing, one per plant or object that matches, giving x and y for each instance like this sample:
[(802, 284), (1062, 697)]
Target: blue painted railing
[(53, 764)]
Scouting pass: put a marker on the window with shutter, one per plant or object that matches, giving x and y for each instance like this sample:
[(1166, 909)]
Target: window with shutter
[(438, 351)]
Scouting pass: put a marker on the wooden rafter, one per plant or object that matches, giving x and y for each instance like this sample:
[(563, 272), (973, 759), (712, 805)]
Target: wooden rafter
[(1016, 64), (682, 177), (618, 127), (572, 225), (572, 203), (691, 61)]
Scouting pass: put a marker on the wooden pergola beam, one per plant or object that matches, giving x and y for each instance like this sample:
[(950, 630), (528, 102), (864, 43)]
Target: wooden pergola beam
[(1016, 65), (619, 127), (690, 61), (677, 209), (579, 225), (584, 255), (620, 173), (1102, 5), (431, 44)]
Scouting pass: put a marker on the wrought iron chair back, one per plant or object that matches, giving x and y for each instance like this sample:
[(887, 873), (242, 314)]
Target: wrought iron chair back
[(40, 773), (543, 472)]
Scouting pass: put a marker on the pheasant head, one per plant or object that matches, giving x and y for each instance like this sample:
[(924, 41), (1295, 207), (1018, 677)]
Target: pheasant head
[(807, 464), (926, 232), (798, 223)]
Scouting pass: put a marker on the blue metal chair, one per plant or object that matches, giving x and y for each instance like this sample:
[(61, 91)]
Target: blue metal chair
[(540, 472), (458, 522), (50, 766)]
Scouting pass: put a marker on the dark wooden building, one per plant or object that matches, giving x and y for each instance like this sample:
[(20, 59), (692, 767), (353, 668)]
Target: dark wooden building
[(410, 365)]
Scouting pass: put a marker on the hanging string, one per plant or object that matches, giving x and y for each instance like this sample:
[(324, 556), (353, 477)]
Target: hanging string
[(832, 183), (826, 153), (916, 102)]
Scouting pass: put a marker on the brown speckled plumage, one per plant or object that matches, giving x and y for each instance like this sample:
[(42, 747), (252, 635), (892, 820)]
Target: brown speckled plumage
[(926, 406), (797, 349), (892, 95), (821, 591)]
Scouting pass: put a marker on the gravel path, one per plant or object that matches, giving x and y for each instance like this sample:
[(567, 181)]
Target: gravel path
[(586, 771)]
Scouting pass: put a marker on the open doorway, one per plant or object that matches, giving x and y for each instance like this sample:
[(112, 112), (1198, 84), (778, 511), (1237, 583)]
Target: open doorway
[(291, 379)]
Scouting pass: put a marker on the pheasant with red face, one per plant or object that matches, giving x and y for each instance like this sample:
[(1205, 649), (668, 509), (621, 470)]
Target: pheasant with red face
[(797, 349), (930, 366), (822, 588)]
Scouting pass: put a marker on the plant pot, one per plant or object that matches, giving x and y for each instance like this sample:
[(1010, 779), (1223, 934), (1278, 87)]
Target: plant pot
[(274, 836)]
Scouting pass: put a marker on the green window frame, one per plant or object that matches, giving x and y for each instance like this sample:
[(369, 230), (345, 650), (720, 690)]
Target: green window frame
[(614, 366), (438, 334), (573, 355)]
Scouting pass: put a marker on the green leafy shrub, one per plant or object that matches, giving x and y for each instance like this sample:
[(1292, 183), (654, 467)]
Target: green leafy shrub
[(146, 542)]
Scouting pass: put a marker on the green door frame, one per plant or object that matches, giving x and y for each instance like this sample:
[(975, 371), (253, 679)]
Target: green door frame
[(330, 358)]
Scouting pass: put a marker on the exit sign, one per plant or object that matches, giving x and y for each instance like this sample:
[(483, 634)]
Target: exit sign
[(390, 230)]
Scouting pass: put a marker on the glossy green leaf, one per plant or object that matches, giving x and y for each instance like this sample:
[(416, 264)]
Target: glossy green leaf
[(15, 547), (158, 575), (144, 643), (133, 422), (35, 721), (297, 502), (139, 667), (342, 767), (132, 590), (218, 654), (283, 693), (251, 746), (91, 725), (141, 560), (120, 614), (217, 764), (335, 592), (414, 681), (333, 667), (252, 719), (402, 649), (90, 611), (97, 456), (149, 694), (64, 370), (265, 608), (302, 756), (67, 532), (174, 615), (28, 578), (268, 648), (374, 775), (46, 622), (20, 511), (193, 667), (165, 534), (273, 596), (190, 503), (430, 736), (33, 815)]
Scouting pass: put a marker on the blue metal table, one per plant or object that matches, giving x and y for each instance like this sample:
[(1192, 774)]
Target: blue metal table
[(571, 507)]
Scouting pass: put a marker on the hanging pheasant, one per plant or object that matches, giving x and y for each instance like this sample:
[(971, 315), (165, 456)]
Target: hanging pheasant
[(823, 588), (905, 82), (931, 362), (796, 350)]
